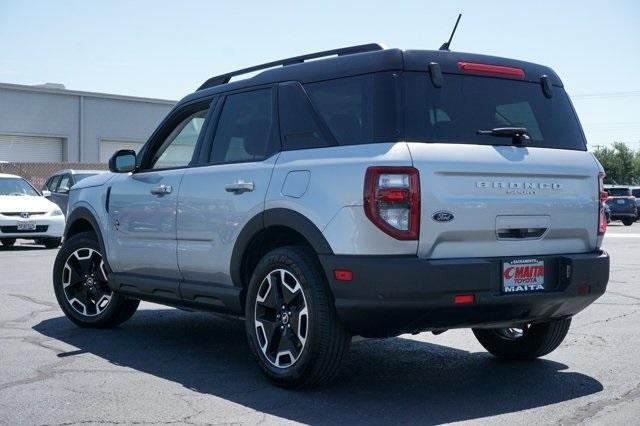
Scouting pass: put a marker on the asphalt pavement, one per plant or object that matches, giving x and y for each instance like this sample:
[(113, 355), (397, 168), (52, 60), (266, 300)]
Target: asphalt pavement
[(167, 366)]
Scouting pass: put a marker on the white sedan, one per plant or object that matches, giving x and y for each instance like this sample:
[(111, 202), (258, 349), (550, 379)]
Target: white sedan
[(24, 213)]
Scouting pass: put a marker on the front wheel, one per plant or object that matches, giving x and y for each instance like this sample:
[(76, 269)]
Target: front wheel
[(81, 287), (530, 341), (628, 222), (291, 323)]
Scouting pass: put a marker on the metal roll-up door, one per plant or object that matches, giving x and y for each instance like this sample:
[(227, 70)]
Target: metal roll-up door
[(109, 147), (35, 149)]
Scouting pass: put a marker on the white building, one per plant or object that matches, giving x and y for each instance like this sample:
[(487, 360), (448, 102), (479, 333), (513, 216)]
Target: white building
[(48, 123)]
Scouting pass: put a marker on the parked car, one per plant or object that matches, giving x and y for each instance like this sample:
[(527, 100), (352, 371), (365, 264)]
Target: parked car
[(622, 204), (635, 191), (25, 213), (373, 193), (57, 187)]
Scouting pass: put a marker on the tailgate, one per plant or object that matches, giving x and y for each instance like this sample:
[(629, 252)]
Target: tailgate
[(505, 200)]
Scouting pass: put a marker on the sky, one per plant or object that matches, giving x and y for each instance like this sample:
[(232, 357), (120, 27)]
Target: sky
[(163, 49)]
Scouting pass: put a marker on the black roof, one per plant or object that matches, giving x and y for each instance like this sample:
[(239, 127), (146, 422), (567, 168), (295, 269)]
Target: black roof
[(369, 60)]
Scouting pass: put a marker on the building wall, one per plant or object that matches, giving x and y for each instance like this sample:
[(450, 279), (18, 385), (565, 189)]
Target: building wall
[(83, 119)]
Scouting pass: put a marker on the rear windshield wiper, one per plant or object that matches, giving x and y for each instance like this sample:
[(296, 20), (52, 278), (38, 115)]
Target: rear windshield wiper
[(517, 134)]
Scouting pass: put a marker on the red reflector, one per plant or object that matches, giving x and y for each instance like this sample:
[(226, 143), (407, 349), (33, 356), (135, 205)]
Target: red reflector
[(604, 195), (490, 69), (343, 274), (393, 195), (584, 289), (463, 299)]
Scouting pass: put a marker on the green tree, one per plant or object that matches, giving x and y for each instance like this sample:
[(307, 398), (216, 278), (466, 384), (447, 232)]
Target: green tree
[(621, 163)]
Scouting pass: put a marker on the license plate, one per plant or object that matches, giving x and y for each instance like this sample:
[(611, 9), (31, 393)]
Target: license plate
[(523, 275), (620, 201), (26, 225)]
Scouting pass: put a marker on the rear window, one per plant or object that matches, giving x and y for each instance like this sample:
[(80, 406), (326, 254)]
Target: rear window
[(465, 104), (619, 192)]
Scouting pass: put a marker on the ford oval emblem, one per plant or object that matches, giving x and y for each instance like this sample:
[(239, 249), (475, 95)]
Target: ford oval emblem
[(442, 216)]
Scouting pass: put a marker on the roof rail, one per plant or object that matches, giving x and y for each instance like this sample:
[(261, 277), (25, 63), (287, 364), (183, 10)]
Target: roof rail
[(225, 78)]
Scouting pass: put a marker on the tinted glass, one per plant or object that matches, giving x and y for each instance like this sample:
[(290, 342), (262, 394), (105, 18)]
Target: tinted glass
[(358, 110), (619, 192), (465, 104), (636, 193), (177, 150), (244, 131), (16, 186), (50, 184), (65, 181), (299, 124)]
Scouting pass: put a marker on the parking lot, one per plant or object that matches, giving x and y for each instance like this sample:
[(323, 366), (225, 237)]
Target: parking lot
[(170, 366)]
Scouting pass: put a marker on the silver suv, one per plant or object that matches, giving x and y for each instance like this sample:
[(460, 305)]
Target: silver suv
[(368, 192)]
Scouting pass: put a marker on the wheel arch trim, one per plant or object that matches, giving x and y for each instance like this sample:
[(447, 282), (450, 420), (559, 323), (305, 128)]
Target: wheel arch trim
[(83, 213), (269, 218)]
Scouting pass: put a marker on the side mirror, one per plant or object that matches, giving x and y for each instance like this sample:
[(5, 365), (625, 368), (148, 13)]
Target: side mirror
[(123, 161), (46, 193), (63, 190)]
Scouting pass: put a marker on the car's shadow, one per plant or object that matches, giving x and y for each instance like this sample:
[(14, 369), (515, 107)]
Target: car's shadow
[(25, 248), (394, 380)]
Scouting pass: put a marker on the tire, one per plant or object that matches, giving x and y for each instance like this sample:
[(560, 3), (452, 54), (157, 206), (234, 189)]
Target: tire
[(88, 302), (534, 341), (52, 242), (628, 222), (317, 342), (8, 242)]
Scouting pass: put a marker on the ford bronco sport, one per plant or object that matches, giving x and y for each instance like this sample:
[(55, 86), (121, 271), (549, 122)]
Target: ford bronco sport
[(368, 192)]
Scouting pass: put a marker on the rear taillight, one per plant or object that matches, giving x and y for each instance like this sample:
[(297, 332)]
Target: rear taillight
[(602, 197), (392, 200)]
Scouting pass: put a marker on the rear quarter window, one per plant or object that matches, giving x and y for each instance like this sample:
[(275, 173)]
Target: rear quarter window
[(359, 110)]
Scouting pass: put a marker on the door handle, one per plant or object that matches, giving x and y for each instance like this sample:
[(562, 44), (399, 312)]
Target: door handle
[(239, 187), (161, 190)]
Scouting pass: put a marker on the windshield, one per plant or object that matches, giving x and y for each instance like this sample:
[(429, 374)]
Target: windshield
[(619, 192), (465, 104), (16, 186)]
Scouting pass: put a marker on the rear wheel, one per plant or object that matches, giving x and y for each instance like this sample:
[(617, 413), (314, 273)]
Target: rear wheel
[(80, 285), (8, 242), (628, 222), (528, 342), (291, 323)]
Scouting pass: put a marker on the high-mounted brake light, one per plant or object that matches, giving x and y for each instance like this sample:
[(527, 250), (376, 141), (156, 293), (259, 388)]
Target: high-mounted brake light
[(491, 69), (602, 197), (392, 200)]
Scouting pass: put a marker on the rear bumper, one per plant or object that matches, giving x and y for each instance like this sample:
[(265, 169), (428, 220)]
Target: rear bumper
[(391, 295), (619, 216)]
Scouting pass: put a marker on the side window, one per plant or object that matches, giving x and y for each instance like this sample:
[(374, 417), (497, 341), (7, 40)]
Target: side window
[(358, 110), (65, 181), (53, 183), (47, 184), (299, 126), (244, 131), (177, 149)]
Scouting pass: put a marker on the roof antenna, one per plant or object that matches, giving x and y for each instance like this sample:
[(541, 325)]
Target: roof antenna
[(445, 46)]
